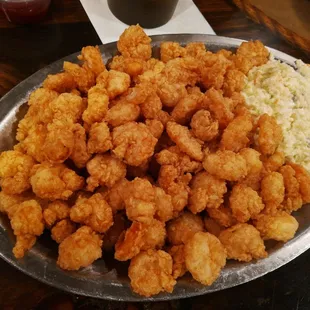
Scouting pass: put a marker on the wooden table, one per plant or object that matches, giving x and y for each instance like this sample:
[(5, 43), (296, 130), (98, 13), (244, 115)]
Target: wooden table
[(26, 49)]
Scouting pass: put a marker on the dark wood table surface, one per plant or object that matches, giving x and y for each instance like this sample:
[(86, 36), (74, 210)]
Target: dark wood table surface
[(26, 49)]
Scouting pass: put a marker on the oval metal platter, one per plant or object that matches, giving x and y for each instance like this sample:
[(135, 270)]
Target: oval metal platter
[(107, 278)]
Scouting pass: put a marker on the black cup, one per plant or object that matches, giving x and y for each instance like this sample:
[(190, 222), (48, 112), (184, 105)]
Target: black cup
[(146, 13)]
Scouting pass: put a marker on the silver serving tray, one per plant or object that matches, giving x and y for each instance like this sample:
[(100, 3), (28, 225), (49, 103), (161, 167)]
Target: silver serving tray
[(107, 278)]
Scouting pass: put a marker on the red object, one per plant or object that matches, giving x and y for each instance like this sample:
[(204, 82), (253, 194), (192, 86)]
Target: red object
[(24, 11)]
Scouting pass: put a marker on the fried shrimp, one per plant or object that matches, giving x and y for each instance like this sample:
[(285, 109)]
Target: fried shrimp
[(150, 273), (243, 243), (225, 165), (279, 226), (79, 250), (270, 134), (205, 256), (207, 191), (181, 229), (245, 203)]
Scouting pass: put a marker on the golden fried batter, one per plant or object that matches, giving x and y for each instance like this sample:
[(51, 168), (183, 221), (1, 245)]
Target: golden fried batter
[(205, 256), (135, 43), (182, 228), (225, 165), (243, 243), (79, 250), (207, 191), (93, 212), (140, 201), (279, 226), (53, 182), (133, 142), (99, 140), (245, 203), (104, 170), (150, 273), (15, 170)]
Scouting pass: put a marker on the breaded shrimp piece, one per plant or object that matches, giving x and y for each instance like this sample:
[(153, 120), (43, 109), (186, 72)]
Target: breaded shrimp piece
[(104, 170), (92, 59), (150, 273), (155, 127), (15, 170), (207, 191), (182, 228), (220, 107), (9, 203), (117, 83), (93, 212), (79, 155), (243, 243), (62, 230), (178, 257), (223, 216), (170, 93), (212, 226), (225, 165), (133, 142), (151, 106), (184, 71), (134, 42), (293, 199), (23, 244), (270, 134), (173, 156), (55, 211), (54, 181), (213, 75), (59, 141), (61, 82), (253, 52), (254, 168), (187, 106), (27, 224), (274, 161), (195, 49), (303, 178), (176, 185), (115, 196), (253, 162), (184, 140), (279, 226), (99, 138), (112, 235), (204, 127), (79, 250), (234, 81), (140, 201), (205, 256), (154, 236), (164, 206), (28, 219), (97, 107), (129, 65), (272, 189), (83, 77), (171, 50), (130, 242), (122, 113), (69, 107), (236, 135), (32, 141), (245, 203)]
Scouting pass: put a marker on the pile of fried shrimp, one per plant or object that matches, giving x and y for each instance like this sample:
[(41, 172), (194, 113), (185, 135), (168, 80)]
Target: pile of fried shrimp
[(156, 160)]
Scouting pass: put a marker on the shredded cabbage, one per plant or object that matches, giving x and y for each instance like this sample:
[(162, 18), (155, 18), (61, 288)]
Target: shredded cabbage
[(283, 92)]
